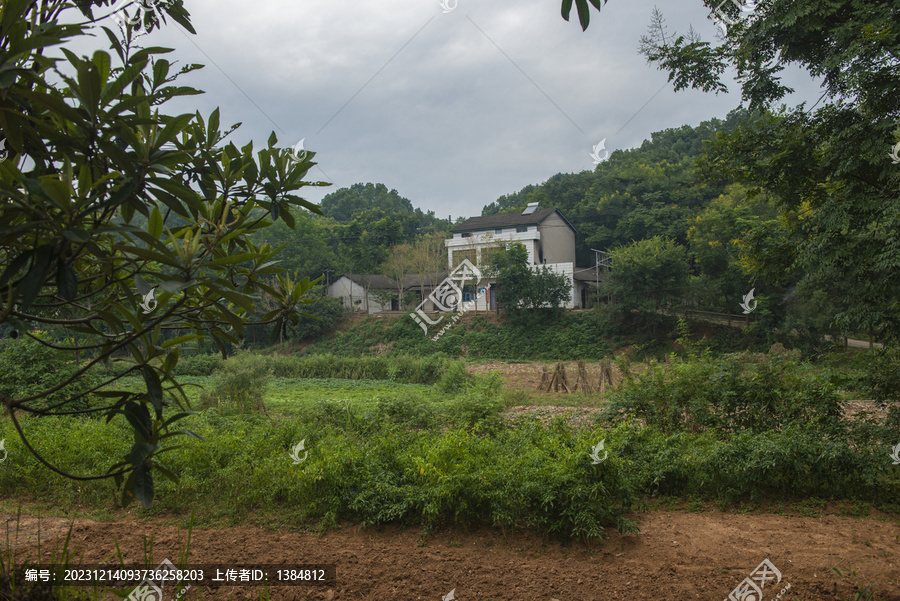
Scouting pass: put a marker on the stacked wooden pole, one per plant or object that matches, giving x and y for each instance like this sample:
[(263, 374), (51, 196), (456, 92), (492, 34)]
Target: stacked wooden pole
[(545, 380), (557, 381), (606, 380), (583, 380)]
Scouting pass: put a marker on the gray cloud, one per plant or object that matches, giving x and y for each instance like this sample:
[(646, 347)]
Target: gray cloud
[(452, 110)]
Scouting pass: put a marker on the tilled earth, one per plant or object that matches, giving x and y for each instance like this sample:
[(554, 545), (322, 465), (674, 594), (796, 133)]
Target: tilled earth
[(677, 555)]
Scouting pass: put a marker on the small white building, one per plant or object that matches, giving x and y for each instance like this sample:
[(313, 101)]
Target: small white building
[(366, 292), (359, 292)]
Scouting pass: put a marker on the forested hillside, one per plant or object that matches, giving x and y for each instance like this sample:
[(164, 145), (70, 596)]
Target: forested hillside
[(638, 193)]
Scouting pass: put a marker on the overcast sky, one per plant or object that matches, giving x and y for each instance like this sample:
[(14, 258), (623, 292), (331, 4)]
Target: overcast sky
[(450, 109)]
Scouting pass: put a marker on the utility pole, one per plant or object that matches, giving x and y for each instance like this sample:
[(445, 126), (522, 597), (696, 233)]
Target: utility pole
[(601, 259)]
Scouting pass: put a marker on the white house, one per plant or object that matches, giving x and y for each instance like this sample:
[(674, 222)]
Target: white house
[(546, 234)]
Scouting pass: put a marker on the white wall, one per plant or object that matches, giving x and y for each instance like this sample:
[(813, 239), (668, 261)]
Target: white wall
[(350, 292)]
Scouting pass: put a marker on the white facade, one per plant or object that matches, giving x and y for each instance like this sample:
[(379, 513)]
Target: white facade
[(353, 296), (464, 244)]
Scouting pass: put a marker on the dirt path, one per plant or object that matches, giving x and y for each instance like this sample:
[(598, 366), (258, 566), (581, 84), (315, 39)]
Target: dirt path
[(676, 556)]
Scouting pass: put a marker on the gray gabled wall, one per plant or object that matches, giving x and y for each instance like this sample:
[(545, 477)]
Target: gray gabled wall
[(557, 240)]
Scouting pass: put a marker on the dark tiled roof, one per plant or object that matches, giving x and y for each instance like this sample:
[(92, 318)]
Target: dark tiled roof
[(429, 279), (376, 281), (372, 280), (490, 222)]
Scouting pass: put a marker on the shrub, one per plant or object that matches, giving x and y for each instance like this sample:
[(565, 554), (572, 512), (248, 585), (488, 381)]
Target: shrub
[(202, 364), (397, 368), (731, 393), (28, 367), (797, 462), (405, 411), (455, 378), (880, 379), (240, 384)]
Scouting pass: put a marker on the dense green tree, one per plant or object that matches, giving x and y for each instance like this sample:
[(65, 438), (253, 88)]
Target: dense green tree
[(90, 148), (347, 204), (827, 167), (648, 274), (521, 285), (303, 248), (715, 237)]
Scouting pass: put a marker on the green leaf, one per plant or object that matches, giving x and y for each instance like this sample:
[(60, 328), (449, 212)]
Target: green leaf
[(171, 359), (180, 433), (180, 340), (139, 418), (584, 15), (178, 416), (77, 236), (232, 259), (66, 282), (30, 286), (155, 224), (212, 130), (276, 330), (139, 453), (160, 71), (172, 477)]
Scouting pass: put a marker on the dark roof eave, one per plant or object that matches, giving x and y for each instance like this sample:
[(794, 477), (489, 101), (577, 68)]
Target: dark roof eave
[(511, 220)]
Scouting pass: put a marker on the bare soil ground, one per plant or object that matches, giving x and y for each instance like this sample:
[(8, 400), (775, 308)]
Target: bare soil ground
[(677, 555)]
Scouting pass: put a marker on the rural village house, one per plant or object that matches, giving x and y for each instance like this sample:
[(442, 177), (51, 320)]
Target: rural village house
[(546, 234)]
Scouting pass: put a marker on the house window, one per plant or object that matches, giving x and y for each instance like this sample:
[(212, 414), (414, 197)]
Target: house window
[(521, 229), (487, 252), (466, 235), (499, 230), (459, 255)]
